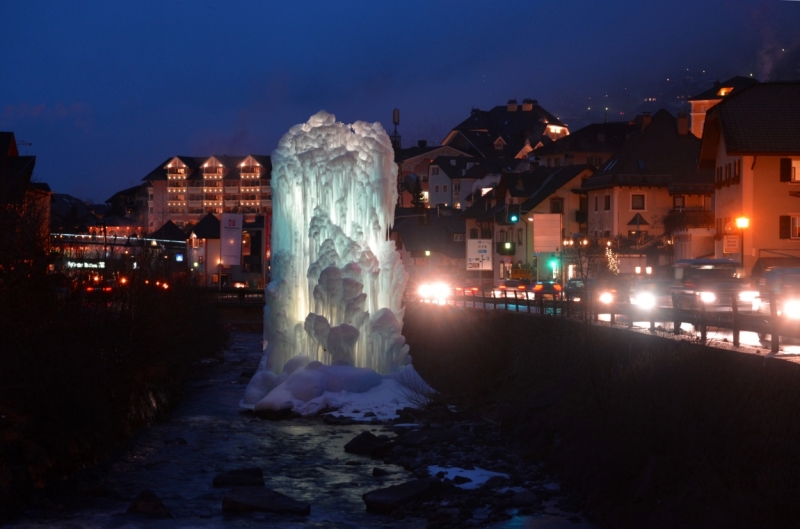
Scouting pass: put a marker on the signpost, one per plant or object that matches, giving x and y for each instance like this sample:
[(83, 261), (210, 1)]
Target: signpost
[(730, 244), (479, 254)]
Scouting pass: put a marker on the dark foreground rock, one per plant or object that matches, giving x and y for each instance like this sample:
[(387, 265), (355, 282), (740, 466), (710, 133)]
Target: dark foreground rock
[(243, 477), (147, 503), (368, 444), (261, 499), (387, 500)]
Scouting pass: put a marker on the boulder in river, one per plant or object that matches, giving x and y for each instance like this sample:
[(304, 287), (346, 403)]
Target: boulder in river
[(367, 444), (146, 502), (262, 499), (386, 500)]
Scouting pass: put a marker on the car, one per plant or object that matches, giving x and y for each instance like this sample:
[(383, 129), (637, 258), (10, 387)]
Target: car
[(651, 293), (547, 290), (513, 288), (783, 285), (711, 283), (575, 289)]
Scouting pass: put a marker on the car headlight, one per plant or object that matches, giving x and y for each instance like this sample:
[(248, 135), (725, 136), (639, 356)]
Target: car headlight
[(606, 297), (645, 300), (791, 309), (748, 296), (434, 291), (707, 297)]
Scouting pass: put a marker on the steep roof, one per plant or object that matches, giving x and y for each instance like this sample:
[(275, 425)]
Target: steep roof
[(169, 232), (15, 177), (194, 165), (8, 144), (478, 133), (597, 137), (553, 179), (207, 228), (736, 84), (763, 119), (654, 157)]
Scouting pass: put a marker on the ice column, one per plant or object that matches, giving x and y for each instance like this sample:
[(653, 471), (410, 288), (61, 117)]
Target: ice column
[(336, 280)]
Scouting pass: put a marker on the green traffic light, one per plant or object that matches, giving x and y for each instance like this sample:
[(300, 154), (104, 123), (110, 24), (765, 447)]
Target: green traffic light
[(514, 218)]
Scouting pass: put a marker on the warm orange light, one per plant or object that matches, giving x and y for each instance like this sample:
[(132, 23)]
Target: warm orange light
[(742, 223)]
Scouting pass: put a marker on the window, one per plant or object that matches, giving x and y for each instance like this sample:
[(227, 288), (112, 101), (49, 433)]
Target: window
[(458, 237), (637, 202), (473, 233), (556, 205), (458, 205), (457, 187), (435, 189), (434, 171), (444, 188), (790, 227), (595, 202), (519, 235), (737, 171), (151, 196), (498, 145), (607, 202), (678, 202), (151, 210), (501, 236), (795, 171)]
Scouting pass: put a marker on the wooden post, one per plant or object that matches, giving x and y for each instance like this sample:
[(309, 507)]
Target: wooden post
[(735, 314), (775, 322), (676, 318), (703, 328)]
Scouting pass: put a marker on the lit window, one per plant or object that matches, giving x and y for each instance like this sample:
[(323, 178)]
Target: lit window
[(795, 171), (722, 92)]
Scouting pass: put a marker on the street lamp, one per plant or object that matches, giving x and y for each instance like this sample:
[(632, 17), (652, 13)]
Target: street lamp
[(742, 223)]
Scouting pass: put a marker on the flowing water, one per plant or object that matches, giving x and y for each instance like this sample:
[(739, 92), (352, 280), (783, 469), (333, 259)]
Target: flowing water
[(208, 434)]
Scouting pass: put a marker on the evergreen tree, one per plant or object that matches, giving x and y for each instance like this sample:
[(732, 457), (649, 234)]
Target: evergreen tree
[(417, 198)]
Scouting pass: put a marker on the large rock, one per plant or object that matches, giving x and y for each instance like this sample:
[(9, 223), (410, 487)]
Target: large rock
[(147, 503), (367, 444), (261, 499), (243, 477), (391, 498)]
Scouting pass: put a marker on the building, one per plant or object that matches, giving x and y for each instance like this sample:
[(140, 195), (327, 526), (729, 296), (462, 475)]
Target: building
[(752, 145), (184, 189), (451, 179), (652, 176), (509, 131), (702, 102), (413, 164), (593, 145), (24, 210)]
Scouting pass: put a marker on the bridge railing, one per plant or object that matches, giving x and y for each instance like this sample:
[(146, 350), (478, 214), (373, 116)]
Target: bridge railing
[(735, 316)]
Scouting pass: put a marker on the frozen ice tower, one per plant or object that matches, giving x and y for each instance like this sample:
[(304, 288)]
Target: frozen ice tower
[(336, 279)]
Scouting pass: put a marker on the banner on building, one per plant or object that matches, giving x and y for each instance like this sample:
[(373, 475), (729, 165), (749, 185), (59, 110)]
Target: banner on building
[(547, 232), (230, 239), (479, 254)]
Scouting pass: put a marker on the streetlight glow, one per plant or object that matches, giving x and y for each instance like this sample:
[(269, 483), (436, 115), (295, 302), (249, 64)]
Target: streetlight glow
[(742, 223)]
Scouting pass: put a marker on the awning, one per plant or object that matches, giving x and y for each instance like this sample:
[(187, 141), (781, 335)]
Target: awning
[(638, 220)]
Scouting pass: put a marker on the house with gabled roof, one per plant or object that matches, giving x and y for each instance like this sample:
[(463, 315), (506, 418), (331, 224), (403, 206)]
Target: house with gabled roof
[(752, 144), (593, 144), (702, 102), (451, 178), (508, 131), (185, 188), (654, 175), (413, 163)]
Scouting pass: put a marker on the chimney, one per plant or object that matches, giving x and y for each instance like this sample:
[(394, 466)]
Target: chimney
[(527, 105), (646, 119), (512, 105), (683, 123), (422, 143)]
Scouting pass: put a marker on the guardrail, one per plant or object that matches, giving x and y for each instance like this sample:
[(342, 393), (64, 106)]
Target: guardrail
[(732, 317), (235, 296)]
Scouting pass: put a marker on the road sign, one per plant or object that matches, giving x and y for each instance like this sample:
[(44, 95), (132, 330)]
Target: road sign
[(730, 244), (506, 260), (479, 254), (521, 273)]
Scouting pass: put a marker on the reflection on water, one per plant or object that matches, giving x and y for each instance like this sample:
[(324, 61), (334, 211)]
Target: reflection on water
[(208, 434)]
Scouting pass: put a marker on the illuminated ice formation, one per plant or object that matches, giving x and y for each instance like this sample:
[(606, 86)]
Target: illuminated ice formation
[(334, 298)]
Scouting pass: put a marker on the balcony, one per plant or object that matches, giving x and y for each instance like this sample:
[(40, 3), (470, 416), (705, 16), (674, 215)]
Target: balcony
[(231, 189), (212, 203), (195, 203), (231, 203), (175, 171), (250, 171), (266, 202), (685, 218), (176, 202), (250, 189)]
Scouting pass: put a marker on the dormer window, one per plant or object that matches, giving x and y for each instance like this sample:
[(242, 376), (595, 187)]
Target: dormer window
[(250, 168), (499, 144), (725, 91)]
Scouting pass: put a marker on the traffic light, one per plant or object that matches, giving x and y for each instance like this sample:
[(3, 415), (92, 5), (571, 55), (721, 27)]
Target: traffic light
[(512, 211)]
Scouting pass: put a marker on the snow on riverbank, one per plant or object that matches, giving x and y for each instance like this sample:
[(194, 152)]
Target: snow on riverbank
[(308, 387)]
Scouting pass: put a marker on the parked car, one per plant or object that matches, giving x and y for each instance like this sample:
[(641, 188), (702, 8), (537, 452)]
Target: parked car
[(711, 282)]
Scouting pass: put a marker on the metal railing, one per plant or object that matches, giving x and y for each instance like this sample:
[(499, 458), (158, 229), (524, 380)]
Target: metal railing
[(734, 317)]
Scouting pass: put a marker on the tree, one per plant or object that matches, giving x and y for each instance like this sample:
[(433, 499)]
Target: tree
[(417, 198)]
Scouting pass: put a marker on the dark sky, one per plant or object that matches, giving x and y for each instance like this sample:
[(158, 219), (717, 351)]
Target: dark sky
[(105, 91)]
